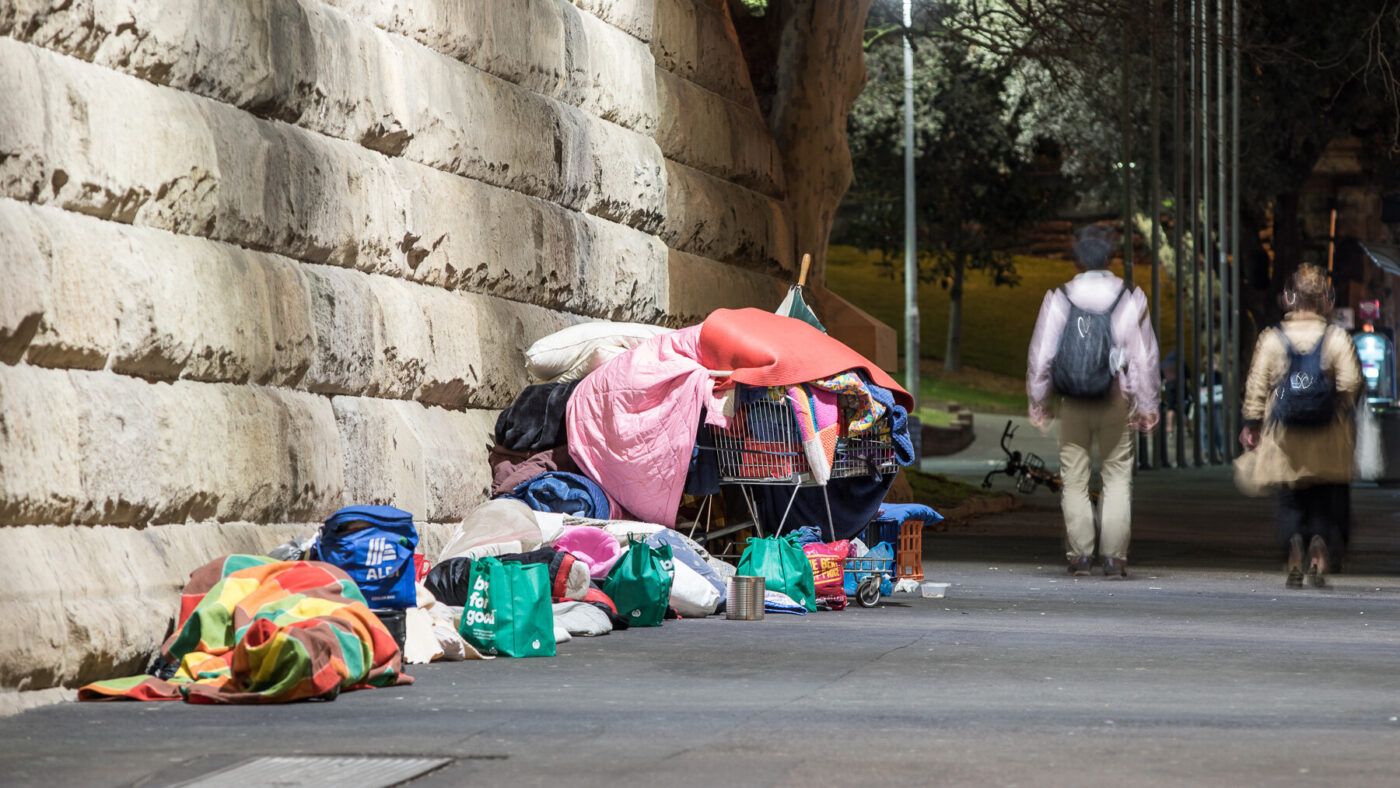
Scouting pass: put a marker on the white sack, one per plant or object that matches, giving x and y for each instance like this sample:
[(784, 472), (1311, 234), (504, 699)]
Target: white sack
[(581, 618)]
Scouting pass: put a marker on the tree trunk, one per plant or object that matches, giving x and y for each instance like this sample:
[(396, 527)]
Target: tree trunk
[(1288, 240), (952, 359)]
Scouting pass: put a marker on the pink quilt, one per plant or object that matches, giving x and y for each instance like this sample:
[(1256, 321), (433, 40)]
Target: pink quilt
[(632, 423)]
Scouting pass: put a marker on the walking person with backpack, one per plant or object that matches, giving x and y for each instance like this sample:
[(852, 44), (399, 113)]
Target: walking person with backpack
[(1093, 347), (1299, 430)]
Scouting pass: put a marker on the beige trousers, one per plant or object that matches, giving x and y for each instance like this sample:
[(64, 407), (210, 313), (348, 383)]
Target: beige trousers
[(1082, 423)]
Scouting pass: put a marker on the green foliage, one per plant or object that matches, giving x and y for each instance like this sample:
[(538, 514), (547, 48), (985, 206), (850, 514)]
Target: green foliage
[(942, 493), (998, 321), (977, 187)]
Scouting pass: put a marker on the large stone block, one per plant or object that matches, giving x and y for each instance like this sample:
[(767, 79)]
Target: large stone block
[(706, 131), (24, 270), (456, 475), (700, 285), (478, 348), (345, 315), (94, 447), (723, 221), (383, 457), (298, 61), (40, 455), (547, 46), (633, 16), (159, 305), (214, 171), (695, 40)]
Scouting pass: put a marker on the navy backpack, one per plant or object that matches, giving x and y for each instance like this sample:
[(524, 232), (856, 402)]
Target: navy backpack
[(374, 545), (1305, 396)]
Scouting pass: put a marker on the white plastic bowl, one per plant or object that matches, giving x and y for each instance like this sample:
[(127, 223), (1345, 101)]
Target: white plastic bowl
[(934, 590)]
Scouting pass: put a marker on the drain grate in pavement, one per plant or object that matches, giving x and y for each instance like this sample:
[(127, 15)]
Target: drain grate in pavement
[(339, 770)]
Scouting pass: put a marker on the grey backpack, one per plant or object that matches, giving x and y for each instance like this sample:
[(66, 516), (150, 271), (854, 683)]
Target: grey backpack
[(1083, 364)]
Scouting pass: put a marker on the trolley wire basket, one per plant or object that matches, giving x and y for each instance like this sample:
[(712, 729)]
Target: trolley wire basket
[(763, 446)]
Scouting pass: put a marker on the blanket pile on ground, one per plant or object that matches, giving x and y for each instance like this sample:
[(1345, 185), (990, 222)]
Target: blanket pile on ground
[(256, 630)]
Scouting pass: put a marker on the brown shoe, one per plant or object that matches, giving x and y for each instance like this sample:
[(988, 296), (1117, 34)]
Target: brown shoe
[(1079, 565), (1295, 562), (1115, 569), (1317, 562)]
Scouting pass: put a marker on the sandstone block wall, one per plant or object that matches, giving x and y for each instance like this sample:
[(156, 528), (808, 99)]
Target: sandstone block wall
[(265, 258)]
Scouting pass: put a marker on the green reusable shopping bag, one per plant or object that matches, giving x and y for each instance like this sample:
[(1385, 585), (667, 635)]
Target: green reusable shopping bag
[(509, 611), (640, 583), (783, 567)]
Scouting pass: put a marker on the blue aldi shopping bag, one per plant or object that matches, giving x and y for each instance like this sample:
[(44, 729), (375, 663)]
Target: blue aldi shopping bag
[(374, 545)]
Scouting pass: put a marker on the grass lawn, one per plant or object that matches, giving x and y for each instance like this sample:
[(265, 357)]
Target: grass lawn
[(942, 493), (997, 321)]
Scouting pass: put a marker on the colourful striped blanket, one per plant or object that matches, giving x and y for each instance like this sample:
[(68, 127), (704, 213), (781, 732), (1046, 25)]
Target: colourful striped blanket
[(256, 630)]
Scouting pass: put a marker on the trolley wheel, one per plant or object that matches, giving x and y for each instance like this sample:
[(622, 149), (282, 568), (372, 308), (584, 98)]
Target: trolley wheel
[(868, 592)]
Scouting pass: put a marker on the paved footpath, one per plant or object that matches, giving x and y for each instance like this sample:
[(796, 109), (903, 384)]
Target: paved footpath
[(1200, 670)]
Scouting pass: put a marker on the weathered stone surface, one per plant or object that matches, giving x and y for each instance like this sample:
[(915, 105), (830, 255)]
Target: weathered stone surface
[(699, 286), (298, 61), (714, 218), (428, 461), (695, 40), (704, 130), (478, 345), (633, 16), (345, 315), (40, 459), (23, 269), (158, 305), (547, 46), (94, 447), (215, 171)]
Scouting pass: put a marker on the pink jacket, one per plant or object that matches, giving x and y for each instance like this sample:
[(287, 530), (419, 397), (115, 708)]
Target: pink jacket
[(1139, 379)]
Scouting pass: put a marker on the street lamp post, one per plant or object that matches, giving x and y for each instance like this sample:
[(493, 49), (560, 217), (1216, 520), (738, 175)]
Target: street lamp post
[(911, 262)]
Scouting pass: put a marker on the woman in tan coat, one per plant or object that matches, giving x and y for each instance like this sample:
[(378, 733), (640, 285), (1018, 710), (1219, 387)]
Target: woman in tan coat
[(1309, 465)]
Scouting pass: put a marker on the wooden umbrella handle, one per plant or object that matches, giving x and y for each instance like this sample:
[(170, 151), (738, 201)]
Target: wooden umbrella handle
[(802, 275)]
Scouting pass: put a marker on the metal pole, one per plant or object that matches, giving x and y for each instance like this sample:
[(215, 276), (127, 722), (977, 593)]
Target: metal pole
[(1207, 226), (911, 261), (1222, 244), (1159, 441), (1234, 392), (1178, 219), (1127, 166), (1195, 101)]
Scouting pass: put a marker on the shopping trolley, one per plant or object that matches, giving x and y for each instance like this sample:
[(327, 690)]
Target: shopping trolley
[(763, 447)]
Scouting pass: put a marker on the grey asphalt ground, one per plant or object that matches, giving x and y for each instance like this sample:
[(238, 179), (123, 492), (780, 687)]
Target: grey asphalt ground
[(1201, 669)]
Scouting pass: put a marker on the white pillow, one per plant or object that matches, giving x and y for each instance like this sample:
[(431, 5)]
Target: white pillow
[(573, 352)]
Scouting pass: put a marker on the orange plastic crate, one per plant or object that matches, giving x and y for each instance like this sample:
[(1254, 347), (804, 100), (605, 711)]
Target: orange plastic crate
[(909, 555)]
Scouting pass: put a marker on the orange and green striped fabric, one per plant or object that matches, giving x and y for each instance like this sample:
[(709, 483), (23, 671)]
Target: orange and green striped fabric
[(256, 630)]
